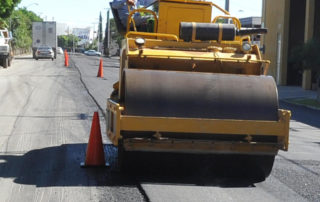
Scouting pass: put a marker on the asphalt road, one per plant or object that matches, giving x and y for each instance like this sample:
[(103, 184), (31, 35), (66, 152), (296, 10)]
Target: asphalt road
[(45, 117)]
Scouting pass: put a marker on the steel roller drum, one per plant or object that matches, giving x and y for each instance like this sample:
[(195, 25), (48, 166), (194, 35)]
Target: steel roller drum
[(200, 95)]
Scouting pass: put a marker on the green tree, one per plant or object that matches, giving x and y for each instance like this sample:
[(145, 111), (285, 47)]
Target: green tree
[(20, 23), (7, 7), (67, 41), (93, 45), (306, 56), (100, 28), (115, 35)]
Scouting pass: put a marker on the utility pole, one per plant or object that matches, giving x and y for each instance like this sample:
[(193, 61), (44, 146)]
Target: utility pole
[(227, 5), (98, 41), (73, 44), (108, 35)]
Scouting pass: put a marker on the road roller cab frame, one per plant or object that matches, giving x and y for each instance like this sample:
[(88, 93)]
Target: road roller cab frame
[(195, 85)]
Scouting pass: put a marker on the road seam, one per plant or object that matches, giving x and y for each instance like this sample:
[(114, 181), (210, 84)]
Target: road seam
[(87, 89), (139, 186)]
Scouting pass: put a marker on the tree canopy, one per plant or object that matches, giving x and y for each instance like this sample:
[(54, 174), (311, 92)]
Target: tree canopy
[(66, 41), (20, 23), (100, 28), (7, 7)]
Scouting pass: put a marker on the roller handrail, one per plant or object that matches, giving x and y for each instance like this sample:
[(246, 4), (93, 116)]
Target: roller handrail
[(157, 35), (235, 20), (248, 38), (143, 10)]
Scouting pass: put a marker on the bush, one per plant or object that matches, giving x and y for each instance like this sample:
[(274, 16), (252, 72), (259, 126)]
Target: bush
[(307, 56)]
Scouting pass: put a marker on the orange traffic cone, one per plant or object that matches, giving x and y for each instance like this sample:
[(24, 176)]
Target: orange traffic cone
[(66, 59), (100, 72), (95, 152)]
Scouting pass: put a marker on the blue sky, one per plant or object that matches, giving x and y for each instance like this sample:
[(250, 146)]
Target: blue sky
[(84, 13)]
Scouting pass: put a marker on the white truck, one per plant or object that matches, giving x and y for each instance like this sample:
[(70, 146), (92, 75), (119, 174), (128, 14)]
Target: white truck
[(6, 53), (44, 34)]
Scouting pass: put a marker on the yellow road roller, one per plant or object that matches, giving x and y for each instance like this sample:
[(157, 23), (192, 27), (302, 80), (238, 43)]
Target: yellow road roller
[(191, 83)]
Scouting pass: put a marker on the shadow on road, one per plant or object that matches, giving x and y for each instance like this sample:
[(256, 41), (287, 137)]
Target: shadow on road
[(303, 114), (59, 166), (193, 169), (56, 166)]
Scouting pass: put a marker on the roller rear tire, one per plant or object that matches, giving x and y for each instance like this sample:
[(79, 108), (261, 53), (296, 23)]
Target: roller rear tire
[(5, 62)]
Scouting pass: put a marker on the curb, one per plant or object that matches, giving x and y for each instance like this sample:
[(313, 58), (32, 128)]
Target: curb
[(301, 105)]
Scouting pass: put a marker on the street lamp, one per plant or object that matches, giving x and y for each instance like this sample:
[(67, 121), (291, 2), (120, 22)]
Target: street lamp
[(36, 4), (94, 28), (25, 7)]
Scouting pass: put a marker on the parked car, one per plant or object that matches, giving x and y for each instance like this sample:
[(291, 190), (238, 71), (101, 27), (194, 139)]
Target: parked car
[(59, 50), (44, 52), (92, 53)]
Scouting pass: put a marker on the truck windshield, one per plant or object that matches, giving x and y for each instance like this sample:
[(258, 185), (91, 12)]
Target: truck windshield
[(1, 35)]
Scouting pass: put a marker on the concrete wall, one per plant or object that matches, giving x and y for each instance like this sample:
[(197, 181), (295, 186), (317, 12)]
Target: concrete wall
[(275, 17), (290, 23)]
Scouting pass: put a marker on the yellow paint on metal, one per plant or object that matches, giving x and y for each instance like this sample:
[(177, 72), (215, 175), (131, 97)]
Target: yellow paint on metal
[(194, 55), (174, 12), (220, 33), (200, 146), (194, 31), (152, 35), (201, 126), (213, 126), (235, 20)]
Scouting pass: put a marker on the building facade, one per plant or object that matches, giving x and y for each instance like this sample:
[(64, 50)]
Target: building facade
[(85, 35), (290, 23)]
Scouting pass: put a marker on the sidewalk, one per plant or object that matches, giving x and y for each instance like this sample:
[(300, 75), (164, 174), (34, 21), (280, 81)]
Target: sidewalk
[(289, 92), (298, 96)]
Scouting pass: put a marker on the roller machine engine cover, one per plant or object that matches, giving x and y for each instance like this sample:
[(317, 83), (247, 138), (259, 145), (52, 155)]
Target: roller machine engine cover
[(195, 86)]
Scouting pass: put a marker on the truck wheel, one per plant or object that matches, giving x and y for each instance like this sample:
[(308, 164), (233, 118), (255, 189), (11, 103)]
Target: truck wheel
[(5, 62), (9, 62)]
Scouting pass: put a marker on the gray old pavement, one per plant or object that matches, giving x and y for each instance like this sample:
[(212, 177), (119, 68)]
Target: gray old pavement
[(45, 121)]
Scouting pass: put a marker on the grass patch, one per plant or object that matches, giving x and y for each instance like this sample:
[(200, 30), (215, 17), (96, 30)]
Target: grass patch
[(306, 102)]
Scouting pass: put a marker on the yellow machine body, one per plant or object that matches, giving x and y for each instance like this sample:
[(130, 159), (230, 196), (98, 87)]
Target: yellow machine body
[(171, 129), (174, 12)]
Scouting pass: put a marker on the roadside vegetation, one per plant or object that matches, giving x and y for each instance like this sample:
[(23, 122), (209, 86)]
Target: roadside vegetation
[(68, 41), (116, 38), (19, 22), (6, 8), (308, 102), (306, 57)]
